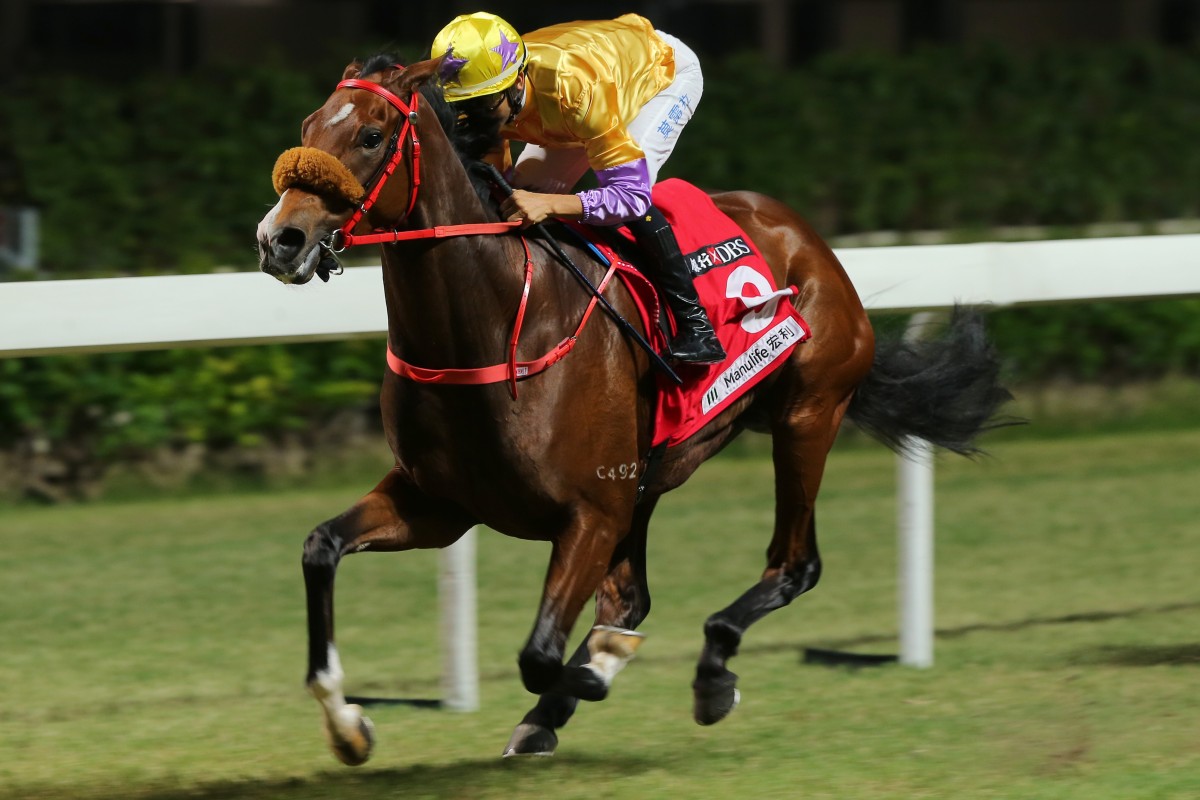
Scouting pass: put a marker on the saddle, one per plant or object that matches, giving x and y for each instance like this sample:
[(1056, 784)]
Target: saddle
[(755, 322)]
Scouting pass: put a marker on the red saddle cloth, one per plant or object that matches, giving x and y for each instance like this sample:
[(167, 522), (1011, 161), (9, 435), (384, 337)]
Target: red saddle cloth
[(756, 322)]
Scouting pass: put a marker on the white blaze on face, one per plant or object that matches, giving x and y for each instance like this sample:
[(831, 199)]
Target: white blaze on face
[(268, 221), (344, 112)]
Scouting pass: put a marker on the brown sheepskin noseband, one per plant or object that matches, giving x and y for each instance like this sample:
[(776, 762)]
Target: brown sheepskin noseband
[(317, 171)]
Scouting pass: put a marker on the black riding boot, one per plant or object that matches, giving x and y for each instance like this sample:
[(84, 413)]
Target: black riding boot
[(695, 342)]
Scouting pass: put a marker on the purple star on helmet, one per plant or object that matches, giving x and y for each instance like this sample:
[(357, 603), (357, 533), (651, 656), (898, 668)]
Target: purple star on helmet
[(507, 51), (451, 66)]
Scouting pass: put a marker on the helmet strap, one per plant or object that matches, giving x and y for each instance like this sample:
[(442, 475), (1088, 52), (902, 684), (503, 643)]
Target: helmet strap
[(516, 98)]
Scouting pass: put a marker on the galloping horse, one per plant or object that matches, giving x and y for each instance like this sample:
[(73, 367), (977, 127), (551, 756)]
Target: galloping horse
[(383, 153)]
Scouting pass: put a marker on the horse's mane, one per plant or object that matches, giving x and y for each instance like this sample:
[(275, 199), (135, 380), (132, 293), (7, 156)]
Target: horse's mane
[(470, 144)]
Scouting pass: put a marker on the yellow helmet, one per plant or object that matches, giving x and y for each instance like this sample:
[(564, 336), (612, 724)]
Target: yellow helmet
[(483, 55)]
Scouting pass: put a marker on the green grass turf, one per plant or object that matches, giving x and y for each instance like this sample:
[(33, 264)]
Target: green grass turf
[(155, 649)]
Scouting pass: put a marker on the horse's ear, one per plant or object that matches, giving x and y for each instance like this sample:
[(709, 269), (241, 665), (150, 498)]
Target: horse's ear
[(353, 70), (415, 75)]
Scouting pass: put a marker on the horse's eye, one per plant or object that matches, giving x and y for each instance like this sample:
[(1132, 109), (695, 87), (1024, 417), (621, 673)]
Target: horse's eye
[(372, 140)]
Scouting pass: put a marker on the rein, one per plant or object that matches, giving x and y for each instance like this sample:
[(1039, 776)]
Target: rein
[(511, 370), (343, 238)]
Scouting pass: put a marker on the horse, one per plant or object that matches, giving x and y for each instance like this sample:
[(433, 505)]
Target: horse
[(382, 160)]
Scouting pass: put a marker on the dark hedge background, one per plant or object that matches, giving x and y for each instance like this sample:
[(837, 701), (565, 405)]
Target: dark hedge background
[(153, 175)]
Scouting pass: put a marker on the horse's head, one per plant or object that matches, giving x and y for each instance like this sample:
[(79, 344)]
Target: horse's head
[(353, 172)]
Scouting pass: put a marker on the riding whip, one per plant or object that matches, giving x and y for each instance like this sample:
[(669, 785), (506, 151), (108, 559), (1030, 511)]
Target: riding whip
[(566, 261)]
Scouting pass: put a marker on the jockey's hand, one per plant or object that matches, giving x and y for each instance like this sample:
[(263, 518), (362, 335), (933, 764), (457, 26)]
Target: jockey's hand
[(534, 207), (528, 207)]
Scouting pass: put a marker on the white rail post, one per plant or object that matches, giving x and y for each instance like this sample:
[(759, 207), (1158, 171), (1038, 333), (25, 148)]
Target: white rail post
[(460, 653), (914, 477), (914, 525)]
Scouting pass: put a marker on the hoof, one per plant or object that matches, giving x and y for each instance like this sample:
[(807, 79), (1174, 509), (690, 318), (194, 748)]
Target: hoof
[(351, 735), (715, 698), (610, 650), (531, 740), (616, 641)]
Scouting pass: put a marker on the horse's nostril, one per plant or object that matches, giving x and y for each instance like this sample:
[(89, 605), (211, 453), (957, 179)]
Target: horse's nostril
[(288, 243)]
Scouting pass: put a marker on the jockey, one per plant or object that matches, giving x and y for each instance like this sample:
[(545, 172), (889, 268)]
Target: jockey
[(610, 95)]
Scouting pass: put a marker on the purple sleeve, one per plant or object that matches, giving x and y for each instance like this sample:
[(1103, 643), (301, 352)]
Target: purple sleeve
[(624, 193)]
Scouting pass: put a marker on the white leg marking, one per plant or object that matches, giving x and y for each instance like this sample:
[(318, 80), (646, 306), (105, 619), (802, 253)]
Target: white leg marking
[(610, 650), (327, 686), (351, 734), (606, 666)]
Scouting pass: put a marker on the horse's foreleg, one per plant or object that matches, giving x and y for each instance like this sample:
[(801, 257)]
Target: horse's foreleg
[(351, 735), (622, 602), (714, 690), (536, 734), (578, 562), (392, 517), (799, 450)]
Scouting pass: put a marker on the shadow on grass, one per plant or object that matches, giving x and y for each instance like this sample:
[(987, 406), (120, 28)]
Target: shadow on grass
[(1139, 656), (1025, 624), (491, 777)]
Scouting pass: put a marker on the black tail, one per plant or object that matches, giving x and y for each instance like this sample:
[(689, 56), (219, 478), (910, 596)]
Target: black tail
[(944, 390)]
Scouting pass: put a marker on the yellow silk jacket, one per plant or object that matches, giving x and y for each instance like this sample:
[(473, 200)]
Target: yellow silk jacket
[(586, 81)]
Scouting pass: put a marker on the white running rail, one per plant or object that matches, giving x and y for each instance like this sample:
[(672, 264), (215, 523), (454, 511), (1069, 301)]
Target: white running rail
[(111, 314)]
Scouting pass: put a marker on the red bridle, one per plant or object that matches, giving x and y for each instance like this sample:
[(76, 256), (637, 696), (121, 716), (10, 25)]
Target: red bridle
[(344, 237), (510, 371), (404, 128)]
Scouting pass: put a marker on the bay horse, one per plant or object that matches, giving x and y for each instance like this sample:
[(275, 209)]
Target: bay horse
[(383, 154)]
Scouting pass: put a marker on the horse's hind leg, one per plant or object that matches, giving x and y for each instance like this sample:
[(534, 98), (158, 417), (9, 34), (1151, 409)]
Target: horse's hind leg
[(800, 447), (622, 601), (394, 516)]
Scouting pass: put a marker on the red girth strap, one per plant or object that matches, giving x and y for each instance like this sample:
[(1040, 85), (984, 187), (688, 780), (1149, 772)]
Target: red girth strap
[(512, 370)]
